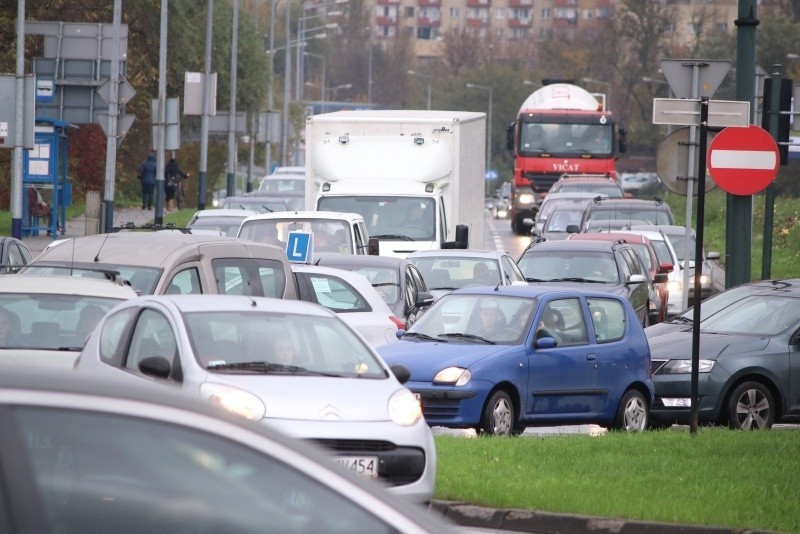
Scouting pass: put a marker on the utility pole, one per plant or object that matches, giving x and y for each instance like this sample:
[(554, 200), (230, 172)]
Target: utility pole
[(162, 115), (113, 114), (232, 110), (202, 178)]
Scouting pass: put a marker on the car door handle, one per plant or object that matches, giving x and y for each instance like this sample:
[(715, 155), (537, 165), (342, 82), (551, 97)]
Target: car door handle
[(591, 357)]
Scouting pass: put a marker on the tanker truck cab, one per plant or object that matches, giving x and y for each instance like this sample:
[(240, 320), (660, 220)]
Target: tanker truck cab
[(402, 186)]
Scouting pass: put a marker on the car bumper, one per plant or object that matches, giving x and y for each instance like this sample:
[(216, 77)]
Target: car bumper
[(673, 394), (406, 455), (450, 406)]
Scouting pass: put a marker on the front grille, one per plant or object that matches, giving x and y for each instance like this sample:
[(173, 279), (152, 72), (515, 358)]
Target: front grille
[(396, 465), (541, 182), (439, 408), (356, 445)]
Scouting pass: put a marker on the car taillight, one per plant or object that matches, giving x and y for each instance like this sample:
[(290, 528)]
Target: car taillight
[(401, 324)]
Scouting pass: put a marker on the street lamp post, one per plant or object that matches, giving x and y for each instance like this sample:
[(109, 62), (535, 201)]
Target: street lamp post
[(607, 97), (488, 125), (332, 90), (428, 77), (324, 61)]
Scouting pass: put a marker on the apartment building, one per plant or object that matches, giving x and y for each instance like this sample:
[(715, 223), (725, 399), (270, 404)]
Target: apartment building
[(425, 21)]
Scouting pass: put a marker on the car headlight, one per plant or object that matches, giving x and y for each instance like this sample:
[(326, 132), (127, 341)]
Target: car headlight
[(234, 400), (705, 280), (456, 376), (679, 367), (404, 408), (674, 286), (526, 198)]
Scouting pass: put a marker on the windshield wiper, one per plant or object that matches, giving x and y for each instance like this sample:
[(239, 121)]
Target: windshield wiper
[(394, 236), (266, 367), (442, 288), (426, 337), (681, 319), (536, 280), (472, 337), (574, 279)]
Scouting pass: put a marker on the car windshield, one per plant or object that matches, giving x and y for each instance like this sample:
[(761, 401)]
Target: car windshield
[(259, 342), (720, 301), (227, 225), (49, 321), (330, 235), (261, 205), (389, 218), (653, 216), (385, 281), (283, 185), (453, 272), (763, 315), (486, 319), (611, 190), (143, 279), (569, 266)]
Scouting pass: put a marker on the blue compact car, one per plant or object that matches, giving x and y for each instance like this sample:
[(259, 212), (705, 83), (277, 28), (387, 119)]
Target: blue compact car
[(501, 359)]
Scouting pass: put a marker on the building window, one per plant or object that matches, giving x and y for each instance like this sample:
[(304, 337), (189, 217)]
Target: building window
[(454, 13), (424, 32), (587, 14), (545, 14), (409, 11)]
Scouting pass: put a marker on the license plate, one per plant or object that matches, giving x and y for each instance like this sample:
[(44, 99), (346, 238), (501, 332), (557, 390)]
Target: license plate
[(361, 465)]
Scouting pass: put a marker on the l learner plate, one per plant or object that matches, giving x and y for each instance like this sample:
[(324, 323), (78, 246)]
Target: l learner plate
[(361, 465)]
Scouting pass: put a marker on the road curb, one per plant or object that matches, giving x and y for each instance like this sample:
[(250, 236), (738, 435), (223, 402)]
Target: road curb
[(469, 515)]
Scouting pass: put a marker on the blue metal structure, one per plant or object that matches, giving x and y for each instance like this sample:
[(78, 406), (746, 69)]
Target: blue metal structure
[(45, 169)]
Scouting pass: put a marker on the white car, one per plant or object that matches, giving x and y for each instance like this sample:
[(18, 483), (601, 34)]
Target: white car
[(294, 366), (87, 455), (44, 320), (352, 297), (218, 221)]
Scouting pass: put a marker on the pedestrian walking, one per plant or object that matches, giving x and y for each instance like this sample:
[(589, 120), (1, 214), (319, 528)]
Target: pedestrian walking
[(147, 177), (172, 174)]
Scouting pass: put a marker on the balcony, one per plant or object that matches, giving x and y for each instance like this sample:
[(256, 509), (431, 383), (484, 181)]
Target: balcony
[(386, 21), (387, 2), (479, 3), (520, 3), (477, 23), (425, 21), (520, 23), (429, 3)]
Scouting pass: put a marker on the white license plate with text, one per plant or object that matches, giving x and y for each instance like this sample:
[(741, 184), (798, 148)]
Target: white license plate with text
[(361, 465)]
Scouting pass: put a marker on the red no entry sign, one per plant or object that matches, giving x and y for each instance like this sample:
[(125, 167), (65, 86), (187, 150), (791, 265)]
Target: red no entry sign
[(743, 161)]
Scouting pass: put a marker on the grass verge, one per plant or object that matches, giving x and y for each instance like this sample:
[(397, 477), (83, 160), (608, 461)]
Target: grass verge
[(718, 477)]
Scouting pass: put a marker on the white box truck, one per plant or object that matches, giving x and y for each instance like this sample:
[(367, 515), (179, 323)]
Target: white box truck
[(415, 176)]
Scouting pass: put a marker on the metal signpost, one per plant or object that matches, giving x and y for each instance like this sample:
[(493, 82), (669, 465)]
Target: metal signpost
[(696, 81)]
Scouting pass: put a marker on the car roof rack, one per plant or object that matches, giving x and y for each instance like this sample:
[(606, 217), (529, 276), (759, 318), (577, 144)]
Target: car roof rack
[(149, 228)]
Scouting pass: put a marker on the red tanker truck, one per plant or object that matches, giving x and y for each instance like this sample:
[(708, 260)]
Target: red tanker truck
[(560, 129)]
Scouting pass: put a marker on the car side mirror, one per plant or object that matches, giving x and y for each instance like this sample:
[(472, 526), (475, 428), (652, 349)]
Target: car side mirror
[(424, 299), (156, 366), (401, 373), (373, 246), (636, 279), (545, 343), (573, 229)]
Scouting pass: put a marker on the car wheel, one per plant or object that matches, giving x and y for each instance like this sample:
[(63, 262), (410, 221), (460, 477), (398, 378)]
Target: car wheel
[(498, 415), (751, 407), (632, 412)]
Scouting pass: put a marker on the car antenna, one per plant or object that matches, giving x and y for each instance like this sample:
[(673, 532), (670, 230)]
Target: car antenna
[(97, 256), (497, 287)]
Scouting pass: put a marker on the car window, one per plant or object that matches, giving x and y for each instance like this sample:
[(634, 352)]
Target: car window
[(608, 319), (765, 315), (511, 270), (186, 282), (249, 276), (117, 473), (333, 293), (554, 265), (143, 279), (113, 336), (152, 336), (563, 320), (51, 321)]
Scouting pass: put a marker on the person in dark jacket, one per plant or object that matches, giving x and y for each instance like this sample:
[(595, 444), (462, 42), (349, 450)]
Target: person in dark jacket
[(172, 173), (147, 177)]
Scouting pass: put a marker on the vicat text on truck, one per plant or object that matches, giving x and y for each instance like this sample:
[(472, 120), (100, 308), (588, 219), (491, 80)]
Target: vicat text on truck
[(415, 176), (560, 129)]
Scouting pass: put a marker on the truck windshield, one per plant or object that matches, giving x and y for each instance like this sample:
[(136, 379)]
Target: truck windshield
[(565, 139), (389, 218)]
